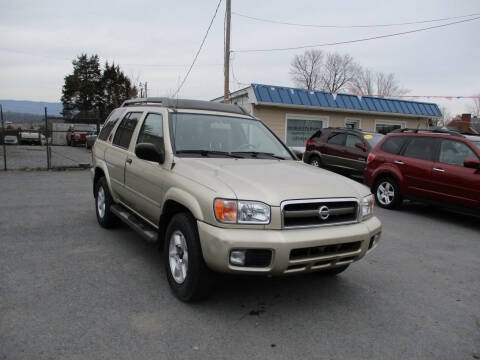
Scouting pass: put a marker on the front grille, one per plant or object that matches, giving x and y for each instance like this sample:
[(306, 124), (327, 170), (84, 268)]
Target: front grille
[(319, 212), (319, 251), (322, 257)]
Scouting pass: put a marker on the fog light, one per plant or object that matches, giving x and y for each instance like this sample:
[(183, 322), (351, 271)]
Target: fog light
[(374, 241), (237, 257)]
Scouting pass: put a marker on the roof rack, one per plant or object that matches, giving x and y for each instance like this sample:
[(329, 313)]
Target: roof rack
[(186, 104), (435, 131)]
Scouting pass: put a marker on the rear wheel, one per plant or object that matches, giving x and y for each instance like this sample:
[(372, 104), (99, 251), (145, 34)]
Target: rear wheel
[(103, 201), (188, 275), (315, 161), (387, 193)]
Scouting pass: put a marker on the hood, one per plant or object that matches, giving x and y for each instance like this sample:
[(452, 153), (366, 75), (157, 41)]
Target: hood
[(269, 181)]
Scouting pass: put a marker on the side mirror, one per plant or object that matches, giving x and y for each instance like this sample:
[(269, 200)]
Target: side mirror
[(150, 152), (361, 146), (472, 163)]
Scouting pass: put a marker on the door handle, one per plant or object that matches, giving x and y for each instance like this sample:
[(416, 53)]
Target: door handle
[(129, 161), (399, 162), (438, 170)]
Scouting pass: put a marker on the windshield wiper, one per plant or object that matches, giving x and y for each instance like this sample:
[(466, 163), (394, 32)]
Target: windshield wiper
[(208, 152), (256, 153)]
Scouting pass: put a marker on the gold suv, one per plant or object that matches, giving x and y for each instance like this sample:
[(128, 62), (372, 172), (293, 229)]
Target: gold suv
[(222, 193)]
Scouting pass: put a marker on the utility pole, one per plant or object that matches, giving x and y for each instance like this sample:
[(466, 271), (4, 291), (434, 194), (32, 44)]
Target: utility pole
[(3, 140), (146, 93), (226, 88)]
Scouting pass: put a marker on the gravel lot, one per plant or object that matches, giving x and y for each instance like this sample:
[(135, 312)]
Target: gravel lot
[(72, 290), (35, 157)]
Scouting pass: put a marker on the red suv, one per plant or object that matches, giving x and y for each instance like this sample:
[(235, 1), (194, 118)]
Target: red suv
[(437, 166)]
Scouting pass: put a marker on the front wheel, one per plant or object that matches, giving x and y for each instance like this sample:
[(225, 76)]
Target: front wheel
[(188, 275), (387, 193)]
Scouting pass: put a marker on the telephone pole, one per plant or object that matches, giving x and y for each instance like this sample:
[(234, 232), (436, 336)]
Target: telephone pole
[(226, 88)]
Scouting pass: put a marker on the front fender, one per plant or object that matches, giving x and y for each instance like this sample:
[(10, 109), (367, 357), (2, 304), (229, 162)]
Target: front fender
[(186, 199)]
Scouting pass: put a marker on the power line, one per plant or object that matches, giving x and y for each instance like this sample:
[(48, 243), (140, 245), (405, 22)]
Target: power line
[(351, 26), (356, 40), (199, 49)]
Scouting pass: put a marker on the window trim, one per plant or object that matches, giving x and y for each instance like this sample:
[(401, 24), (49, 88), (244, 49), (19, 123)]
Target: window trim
[(291, 116)]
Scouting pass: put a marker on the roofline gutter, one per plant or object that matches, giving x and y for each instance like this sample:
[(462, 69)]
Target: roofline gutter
[(353, 111)]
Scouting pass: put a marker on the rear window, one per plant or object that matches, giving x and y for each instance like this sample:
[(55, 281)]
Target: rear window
[(373, 139), (394, 144), (110, 123)]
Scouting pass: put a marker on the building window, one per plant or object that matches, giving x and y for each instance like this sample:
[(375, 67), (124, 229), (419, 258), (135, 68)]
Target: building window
[(299, 129), (387, 126), (352, 123)]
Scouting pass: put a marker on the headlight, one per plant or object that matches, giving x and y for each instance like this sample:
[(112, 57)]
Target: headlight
[(241, 212), (368, 202)]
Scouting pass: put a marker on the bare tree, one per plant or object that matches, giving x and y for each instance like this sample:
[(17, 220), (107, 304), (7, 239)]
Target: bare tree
[(475, 108), (367, 82), (305, 69), (338, 72)]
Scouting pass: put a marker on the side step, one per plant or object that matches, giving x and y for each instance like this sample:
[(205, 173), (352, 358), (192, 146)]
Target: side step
[(146, 231)]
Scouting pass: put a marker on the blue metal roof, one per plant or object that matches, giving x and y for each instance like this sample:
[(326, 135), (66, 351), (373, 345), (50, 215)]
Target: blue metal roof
[(294, 96)]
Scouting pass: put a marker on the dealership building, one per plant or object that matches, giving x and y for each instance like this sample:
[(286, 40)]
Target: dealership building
[(295, 114)]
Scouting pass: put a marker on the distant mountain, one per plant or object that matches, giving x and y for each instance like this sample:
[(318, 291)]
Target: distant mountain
[(32, 107)]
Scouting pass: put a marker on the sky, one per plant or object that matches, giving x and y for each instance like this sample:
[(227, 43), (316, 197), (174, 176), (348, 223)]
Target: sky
[(155, 42)]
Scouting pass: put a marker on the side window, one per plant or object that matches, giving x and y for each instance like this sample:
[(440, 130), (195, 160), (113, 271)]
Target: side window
[(352, 140), (455, 152), (152, 131), (394, 144), (124, 132), (420, 148), (109, 124), (338, 139)]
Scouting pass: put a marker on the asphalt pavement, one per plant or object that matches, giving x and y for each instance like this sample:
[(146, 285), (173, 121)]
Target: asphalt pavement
[(72, 290)]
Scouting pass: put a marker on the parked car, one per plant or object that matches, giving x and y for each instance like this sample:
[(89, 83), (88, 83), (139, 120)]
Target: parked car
[(341, 150), (221, 192), (77, 134), (10, 140), (32, 138), (437, 166)]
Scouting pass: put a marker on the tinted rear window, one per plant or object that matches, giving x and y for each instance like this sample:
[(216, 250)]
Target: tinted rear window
[(394, 144), (420, 148)]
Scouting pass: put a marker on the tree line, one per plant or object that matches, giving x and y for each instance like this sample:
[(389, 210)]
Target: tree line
[(334, 72)]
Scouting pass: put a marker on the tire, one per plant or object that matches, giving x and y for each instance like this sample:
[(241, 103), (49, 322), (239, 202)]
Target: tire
[(315, 161), (189, 277), (334, 271), (387, 193), (103, 201)]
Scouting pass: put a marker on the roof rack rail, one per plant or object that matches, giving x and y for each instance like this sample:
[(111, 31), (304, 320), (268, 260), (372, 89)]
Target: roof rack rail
[(436, 131), (186, 104)]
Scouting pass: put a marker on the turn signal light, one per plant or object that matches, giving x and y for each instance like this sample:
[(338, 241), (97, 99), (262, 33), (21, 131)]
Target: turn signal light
[(226, 210)]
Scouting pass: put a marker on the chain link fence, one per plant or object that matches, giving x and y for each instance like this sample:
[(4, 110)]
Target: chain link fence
[(58, 143)]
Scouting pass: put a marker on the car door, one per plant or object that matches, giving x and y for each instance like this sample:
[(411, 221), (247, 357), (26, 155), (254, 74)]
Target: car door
[(334, 150), (144, 179), (415, 164), (355, 158), (456, 184), (116, 155)]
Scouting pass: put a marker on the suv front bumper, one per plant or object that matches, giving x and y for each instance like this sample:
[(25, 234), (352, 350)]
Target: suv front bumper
[(217, 244)]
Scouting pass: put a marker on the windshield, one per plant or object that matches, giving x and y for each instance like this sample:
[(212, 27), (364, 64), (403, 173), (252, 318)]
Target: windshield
[(373, 139), (203, 135), (477, 144)]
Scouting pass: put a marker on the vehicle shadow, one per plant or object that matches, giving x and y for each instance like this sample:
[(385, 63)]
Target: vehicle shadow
[(447, 216)]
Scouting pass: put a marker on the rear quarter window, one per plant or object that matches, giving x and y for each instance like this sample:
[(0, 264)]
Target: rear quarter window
[(394, 144), (114, 117)]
